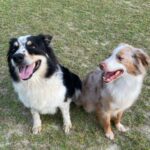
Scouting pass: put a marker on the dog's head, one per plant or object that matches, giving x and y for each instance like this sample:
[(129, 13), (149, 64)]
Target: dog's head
[(124, 60), (31, 55)]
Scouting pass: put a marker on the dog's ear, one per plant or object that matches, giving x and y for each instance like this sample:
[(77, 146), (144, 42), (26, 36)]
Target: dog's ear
[(143, 58), (46, 38)]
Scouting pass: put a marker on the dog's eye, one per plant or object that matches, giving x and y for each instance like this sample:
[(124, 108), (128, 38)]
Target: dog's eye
[(120, 58)]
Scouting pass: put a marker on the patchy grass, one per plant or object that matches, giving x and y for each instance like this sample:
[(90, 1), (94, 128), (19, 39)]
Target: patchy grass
[(84, 33)]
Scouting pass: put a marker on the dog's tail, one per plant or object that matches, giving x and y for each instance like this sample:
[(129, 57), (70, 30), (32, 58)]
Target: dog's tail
[(78, 88)]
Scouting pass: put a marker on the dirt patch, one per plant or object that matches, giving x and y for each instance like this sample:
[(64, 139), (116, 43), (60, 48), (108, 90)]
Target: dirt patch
[(8, 135), (145, 130), (71, 26), (113, 147), (18, 130)]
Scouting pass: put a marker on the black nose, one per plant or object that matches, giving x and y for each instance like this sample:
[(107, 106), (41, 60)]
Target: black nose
[(18, 58)]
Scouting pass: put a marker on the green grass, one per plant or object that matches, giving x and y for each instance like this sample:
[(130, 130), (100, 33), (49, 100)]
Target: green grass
[(84, 31)]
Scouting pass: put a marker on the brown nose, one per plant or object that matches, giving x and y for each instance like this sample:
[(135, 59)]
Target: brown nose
[(102, 66)]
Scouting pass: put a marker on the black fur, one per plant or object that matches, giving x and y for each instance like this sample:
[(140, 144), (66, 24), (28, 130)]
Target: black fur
[(41, 46), (11, 51), (71, 81)]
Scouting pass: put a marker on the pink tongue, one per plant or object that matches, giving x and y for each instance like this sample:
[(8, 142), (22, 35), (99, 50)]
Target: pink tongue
[(26, 71), (108, 75)]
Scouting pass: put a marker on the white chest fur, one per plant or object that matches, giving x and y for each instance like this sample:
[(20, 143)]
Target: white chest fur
[(124, 92), (43, 95)]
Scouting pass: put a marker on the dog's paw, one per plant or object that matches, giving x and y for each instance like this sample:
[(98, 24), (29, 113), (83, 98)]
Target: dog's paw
[(67, 128), (121, 127), (36, 130), (110, 135)]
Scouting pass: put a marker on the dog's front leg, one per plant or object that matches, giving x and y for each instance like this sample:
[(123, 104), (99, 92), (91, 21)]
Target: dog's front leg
[(118, 124), (105, 118), (36, 122), (66, 116)]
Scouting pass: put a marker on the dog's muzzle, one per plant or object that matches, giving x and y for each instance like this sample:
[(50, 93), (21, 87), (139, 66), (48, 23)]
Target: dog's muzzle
[(18, 58), (25, 70)]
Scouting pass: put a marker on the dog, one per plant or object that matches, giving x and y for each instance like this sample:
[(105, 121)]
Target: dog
[(114, 86), (42, 84)]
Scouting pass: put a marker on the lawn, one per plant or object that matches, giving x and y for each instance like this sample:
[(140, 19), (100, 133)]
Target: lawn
[(84, 32)]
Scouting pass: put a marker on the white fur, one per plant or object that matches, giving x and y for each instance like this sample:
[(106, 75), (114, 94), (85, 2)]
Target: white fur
[(22, 50), (111, 99), (112, 63), (22, 41), (125, 90), (42, 95)]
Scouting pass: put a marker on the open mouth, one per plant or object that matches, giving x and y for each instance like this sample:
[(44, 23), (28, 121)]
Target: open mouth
[(26, 71), (111, 76)]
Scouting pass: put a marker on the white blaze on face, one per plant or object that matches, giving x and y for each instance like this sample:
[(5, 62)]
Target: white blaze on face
[(112, 62), (24, 71), (32, 63), (22, 40), (113, 66)]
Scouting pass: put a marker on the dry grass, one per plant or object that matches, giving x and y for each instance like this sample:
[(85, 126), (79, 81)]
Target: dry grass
[(84, 33)]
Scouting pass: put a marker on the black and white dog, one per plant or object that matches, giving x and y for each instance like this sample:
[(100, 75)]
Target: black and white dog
[(43, 85)]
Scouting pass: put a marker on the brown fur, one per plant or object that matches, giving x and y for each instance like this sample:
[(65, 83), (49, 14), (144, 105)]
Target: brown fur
[(136, 62), (142, 59)]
